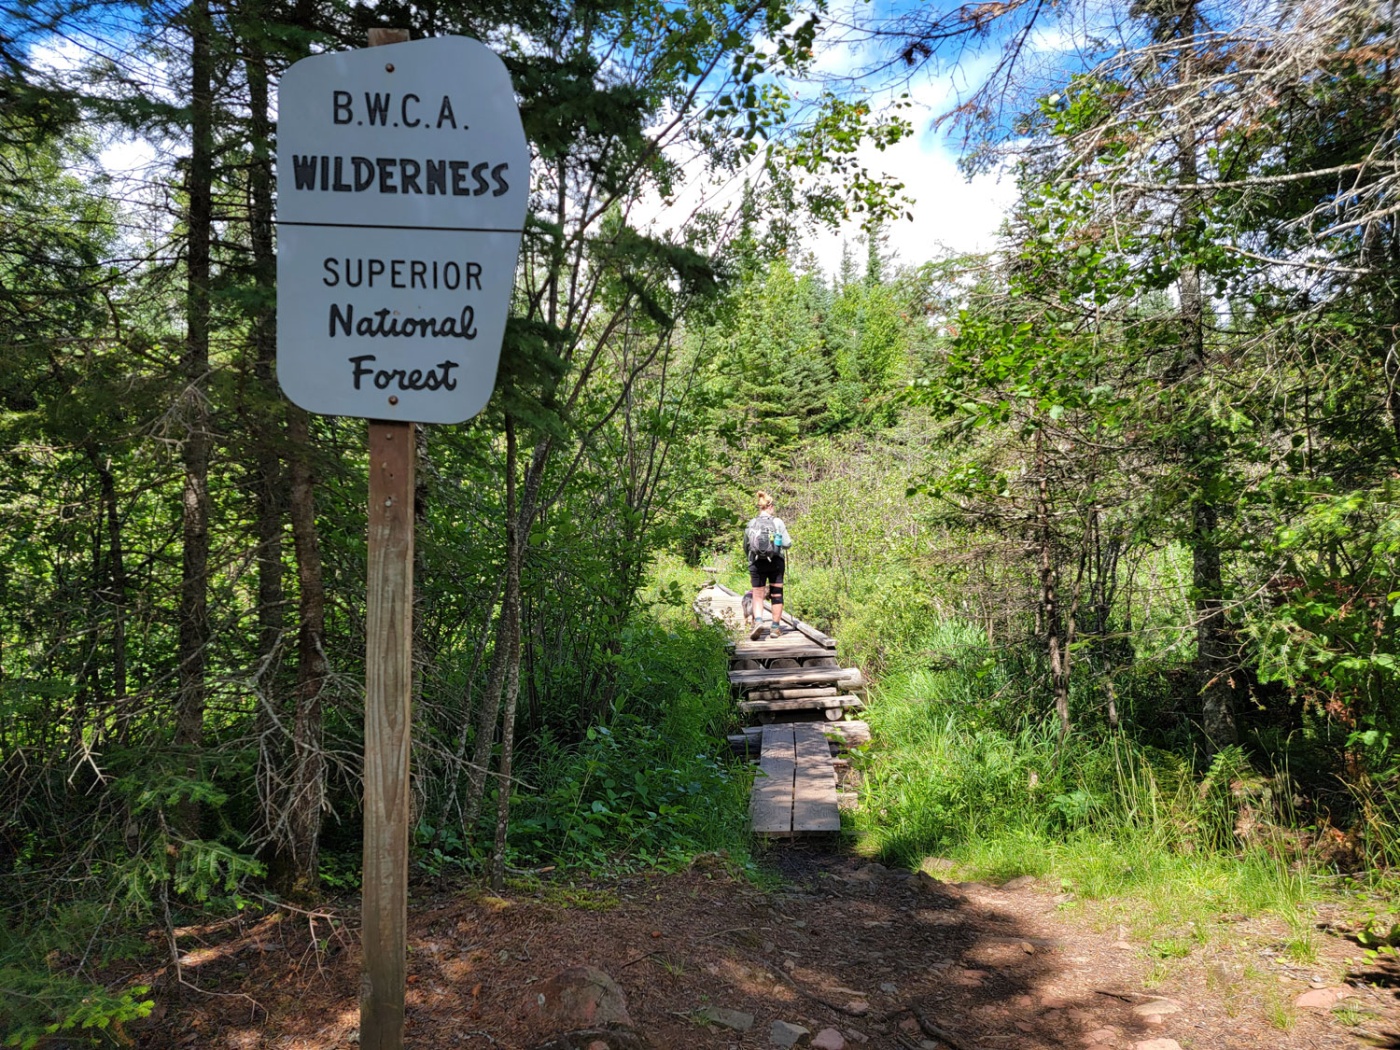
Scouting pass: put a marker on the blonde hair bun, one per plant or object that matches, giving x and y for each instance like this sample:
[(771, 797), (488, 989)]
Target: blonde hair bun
[(764, 500)]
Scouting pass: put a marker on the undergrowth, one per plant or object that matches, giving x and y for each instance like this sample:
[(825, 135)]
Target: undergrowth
[(646, 786), (1167, 847)]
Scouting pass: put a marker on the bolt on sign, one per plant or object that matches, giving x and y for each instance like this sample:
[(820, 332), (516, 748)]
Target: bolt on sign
[(402, 185)]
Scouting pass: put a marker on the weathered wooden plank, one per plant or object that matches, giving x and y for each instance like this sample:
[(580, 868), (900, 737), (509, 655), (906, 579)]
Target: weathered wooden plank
[(840, 736), (779, 650), (802, 693), (781, 677), (805, 629), (824, 640), (850, 734), (816, 703), (814, 806), (770, 805)]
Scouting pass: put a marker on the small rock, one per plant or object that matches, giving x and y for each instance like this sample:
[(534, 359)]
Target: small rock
[(1100, 1036), (1123, 946), (1025, 1026), (1157, 1044), (857, 1008), (1156, 1008), (1320, 998), (929, 1044), (582, 997), (784, 1034), (889, 989), (735, 1019), (1028, 947), (1020, 882), (910, 1025), (829, 1039)]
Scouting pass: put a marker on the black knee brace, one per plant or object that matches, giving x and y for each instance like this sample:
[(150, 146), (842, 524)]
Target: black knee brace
[(775, 593)]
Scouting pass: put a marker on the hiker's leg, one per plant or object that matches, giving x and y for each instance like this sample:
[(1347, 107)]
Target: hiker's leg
[(757, 585), (775, 591)]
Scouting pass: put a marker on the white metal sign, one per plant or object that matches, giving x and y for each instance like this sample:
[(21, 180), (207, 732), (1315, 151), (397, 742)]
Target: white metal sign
[(402, 184)]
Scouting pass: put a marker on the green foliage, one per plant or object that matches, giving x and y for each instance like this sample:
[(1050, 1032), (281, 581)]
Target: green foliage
[(645, 788), (39, 1005), (628, 796)]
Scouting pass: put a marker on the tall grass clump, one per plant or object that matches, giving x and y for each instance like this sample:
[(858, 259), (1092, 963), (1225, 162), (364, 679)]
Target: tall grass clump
[(956, 773)]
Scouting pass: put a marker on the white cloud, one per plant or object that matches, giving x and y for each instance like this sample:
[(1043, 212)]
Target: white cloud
[(949, 212)]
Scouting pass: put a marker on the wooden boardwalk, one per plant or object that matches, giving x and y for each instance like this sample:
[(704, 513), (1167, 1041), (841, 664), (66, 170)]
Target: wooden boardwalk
[(795, 687), (796, 786)]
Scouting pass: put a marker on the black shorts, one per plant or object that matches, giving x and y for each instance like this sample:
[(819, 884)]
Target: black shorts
[(766, 570)]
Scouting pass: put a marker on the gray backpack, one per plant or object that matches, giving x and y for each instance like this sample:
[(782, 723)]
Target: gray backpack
[(759, 538)]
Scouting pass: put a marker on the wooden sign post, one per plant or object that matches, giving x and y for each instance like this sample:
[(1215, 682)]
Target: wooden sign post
[(388, 688), (402, 182), (388, 720)]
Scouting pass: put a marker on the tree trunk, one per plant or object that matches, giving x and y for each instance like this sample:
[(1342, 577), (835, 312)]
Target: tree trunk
[(1057, 651), (512, 688), (268, 491), (116, 592), (1212, 635), (194, 585), (507, 653), (308, 773)]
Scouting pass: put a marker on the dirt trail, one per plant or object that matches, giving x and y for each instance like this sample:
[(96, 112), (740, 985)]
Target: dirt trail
[(841, 944)]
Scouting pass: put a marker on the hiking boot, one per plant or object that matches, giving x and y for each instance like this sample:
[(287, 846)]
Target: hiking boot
[(778, 631), (759, 630)]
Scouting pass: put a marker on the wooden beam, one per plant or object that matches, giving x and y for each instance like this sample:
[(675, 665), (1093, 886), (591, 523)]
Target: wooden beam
[(388, 714), (814, 806), (388, 687), (806, 629), (803, 650), (824, 640), (779, 677), (792, 694), (816, 703), (770, 805), (853, 733)]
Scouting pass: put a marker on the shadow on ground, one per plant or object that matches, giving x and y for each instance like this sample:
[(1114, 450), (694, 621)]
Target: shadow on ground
[(885, 958)]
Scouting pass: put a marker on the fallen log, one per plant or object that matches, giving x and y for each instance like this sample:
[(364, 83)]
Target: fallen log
[(783, 677), (793, 694), (849, 734), (816, 703)]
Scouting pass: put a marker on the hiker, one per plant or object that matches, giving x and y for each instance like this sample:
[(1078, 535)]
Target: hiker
[(766, 540)]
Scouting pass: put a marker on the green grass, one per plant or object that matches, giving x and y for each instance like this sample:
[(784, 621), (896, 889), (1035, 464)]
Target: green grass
[(1133, 831)]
